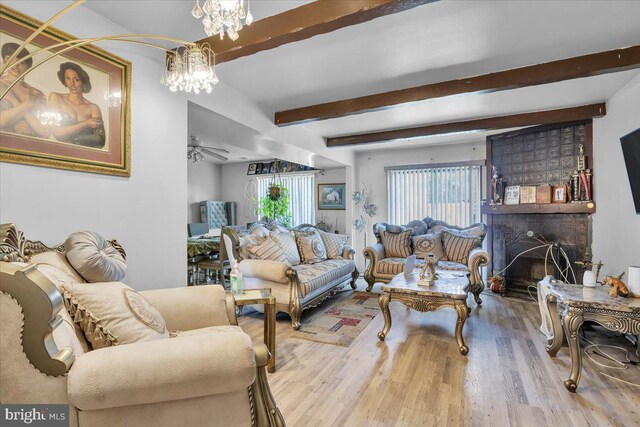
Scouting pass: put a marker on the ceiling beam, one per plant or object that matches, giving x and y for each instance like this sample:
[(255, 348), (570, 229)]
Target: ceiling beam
[(570, 114), (565, 69), (312, 19)]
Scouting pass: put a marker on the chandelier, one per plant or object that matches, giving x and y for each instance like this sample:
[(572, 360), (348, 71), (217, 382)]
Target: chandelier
[(222, 15), (191, 68)]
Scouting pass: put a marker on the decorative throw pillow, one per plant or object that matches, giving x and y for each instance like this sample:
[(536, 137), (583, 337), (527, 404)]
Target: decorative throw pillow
[(428, 244), (396, 245), (255, 237), (334, 243), (112, 313), (311, 247), (476, 231), (458, 247), (287, 242), (268, 250), (94, 258)]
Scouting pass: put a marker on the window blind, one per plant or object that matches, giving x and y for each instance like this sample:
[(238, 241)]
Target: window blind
[(448, 193), (301, 196)]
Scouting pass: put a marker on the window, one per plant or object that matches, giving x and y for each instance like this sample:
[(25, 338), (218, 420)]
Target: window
[(301, 196), (449, 193)]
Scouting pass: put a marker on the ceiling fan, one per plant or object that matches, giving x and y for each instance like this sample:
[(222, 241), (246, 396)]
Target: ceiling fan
[(196, 151)]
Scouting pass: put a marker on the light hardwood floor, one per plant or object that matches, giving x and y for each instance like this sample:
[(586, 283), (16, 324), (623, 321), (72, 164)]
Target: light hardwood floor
[(418, 378)]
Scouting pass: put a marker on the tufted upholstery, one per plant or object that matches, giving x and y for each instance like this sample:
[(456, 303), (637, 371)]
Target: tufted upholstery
[(217, 214)]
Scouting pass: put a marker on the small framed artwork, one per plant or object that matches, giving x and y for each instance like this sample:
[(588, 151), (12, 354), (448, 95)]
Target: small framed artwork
[(527, 194), (272, 167), (283, 166), (543, 194), (559, 194), (512, 195), (258, 168), (331, 196), (265, 168), (252, 169)]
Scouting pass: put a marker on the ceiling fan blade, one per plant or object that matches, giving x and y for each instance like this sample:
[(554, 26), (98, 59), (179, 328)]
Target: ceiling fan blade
[(212, 154), (222, 150)]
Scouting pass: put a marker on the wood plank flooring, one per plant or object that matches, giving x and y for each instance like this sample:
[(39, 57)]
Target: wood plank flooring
[(418, 378)]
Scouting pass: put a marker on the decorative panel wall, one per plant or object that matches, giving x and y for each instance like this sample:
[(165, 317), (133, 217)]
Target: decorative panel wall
[(537, 156)]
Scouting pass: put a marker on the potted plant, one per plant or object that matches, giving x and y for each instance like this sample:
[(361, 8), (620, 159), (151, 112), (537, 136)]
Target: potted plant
[(275, 205)]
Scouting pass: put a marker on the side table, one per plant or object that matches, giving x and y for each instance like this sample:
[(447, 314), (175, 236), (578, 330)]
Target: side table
[(263, 296), (575, 304)]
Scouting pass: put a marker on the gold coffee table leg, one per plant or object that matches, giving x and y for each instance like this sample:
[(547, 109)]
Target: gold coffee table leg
[(461, 309), (572, 321), (558, 335), (270, 333), (384, 300)]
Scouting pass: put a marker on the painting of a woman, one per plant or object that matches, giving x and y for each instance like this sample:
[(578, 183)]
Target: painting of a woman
[(81, 119)]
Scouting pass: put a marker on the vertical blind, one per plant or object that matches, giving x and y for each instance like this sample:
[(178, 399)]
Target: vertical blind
[(301, 196), (448, 193)]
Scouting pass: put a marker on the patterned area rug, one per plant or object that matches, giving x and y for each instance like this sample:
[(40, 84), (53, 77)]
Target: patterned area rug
[(341, 322)]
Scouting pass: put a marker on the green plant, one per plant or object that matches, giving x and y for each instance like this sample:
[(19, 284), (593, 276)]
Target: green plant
[(275, 210)]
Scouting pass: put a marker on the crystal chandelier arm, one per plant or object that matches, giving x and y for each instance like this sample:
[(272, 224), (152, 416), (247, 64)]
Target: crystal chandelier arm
[(5, 66), (73, 44)]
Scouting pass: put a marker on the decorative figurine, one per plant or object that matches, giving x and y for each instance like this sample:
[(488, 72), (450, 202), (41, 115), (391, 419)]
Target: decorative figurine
[(617, 286), (428, 273), (497, 284), (589, 278), (497, 187)]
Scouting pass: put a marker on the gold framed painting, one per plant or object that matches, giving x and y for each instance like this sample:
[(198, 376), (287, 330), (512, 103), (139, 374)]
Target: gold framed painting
[(71, 111)]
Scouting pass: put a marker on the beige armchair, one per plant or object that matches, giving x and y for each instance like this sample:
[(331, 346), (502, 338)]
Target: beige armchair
[(210, 374)]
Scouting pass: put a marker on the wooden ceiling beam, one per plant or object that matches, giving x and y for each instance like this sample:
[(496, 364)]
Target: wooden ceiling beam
[(566, 69), (312, 19), (571, 114)]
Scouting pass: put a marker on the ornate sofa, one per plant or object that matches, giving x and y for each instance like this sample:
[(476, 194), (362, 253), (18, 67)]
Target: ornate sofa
[(382, 268), (209, 374), (295, 287)]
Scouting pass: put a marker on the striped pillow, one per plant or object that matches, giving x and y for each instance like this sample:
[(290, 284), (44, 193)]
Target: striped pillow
[(457, 247), (396, 245), (287, 242), (334, 244), (268, 250)]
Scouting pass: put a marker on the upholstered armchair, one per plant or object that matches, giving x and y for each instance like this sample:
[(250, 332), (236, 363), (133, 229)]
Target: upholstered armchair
[(383, 266), (207, 373)]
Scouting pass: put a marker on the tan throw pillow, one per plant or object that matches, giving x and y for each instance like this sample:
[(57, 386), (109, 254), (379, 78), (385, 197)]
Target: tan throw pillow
[(311, 247), (268, 250), (112, 313), (428, 244), (94, 258), (334, 243), (396, 245), (458, 247), (287, 242)]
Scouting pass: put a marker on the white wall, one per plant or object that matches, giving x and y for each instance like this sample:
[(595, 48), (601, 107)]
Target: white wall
[(145, 212), (616, 226), (204, 182), (369, 170), (332, 176)]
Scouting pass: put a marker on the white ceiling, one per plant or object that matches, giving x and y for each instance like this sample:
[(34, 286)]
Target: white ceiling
[(430, 43)]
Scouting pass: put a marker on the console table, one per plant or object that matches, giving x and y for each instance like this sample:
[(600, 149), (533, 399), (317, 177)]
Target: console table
[(575, 304)]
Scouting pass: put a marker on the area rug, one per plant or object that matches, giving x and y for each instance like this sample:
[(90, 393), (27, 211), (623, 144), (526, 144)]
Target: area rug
[(339, 322)]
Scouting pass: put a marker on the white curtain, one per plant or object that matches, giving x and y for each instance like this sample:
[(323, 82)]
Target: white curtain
[(451, 194), (301, 196)]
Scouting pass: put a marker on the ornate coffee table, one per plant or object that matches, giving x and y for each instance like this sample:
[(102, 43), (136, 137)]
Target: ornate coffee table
[(447, 291), (575, 304)]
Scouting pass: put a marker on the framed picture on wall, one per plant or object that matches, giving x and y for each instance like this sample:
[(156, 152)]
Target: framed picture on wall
[(265, 168), (559, 194), (252, 169), (512, 195), (71, 111), (331, 196)]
